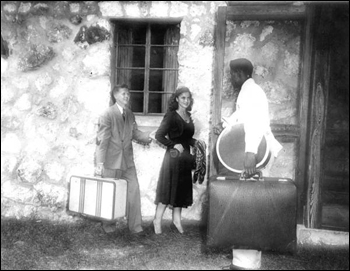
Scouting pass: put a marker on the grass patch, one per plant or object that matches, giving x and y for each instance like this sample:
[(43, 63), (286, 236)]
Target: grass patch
[(30, 244)]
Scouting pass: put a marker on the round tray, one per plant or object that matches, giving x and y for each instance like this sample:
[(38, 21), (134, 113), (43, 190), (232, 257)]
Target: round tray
[(230, 149)]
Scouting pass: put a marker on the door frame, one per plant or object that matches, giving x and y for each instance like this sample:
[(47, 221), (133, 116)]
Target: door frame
[(289, 133)]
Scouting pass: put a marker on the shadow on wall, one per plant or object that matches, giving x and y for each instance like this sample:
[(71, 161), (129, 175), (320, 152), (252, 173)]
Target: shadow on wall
[(4, 49)]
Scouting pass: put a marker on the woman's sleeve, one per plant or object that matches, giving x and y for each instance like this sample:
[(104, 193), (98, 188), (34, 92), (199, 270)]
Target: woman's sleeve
[(193, 141), (163, 131)]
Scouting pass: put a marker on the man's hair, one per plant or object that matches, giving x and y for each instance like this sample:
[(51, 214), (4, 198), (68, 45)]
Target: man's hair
[(242, 64), (115, 89), (119, 87)]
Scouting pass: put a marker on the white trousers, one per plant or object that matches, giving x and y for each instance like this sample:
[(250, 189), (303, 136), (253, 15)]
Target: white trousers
[(246, 258)]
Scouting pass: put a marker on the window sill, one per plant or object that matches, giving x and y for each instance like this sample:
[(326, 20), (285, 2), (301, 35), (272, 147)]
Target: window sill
[(148, 123)]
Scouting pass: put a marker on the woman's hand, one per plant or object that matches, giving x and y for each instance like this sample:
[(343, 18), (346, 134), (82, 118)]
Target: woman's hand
[(217, 129), (179, 147)]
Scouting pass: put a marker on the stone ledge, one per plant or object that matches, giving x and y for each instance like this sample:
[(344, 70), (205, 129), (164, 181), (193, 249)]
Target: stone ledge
[(307, 236)]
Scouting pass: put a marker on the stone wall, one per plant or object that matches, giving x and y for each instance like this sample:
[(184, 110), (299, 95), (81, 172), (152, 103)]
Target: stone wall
[(55, 80)]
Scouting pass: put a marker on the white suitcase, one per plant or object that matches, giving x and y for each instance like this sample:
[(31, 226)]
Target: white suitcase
[(99, 198)]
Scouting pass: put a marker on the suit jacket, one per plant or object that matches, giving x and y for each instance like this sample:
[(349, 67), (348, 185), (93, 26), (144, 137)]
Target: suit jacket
[(114, 138), (170, 129)]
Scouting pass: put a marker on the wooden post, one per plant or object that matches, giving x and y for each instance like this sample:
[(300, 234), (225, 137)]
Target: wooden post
[(220, 34)]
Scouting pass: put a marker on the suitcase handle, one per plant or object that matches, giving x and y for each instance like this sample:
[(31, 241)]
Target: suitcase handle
[(245, 176)]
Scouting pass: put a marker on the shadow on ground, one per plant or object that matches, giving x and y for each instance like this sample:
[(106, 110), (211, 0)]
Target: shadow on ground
[(37, 244)]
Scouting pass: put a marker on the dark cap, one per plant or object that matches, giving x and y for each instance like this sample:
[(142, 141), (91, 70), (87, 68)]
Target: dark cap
[(242, 64)]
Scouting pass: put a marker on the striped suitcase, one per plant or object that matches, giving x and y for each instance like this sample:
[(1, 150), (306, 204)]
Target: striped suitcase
[(252, 214), (99, 198)]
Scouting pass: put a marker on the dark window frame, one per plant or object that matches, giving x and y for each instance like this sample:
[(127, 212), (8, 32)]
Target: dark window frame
[(169, 82)]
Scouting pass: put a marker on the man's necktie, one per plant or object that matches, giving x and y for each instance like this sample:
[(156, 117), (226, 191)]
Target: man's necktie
[(123, 114)]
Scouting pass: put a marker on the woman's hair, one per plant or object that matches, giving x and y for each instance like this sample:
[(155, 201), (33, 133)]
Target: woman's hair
[(173, 104), (115, 89)]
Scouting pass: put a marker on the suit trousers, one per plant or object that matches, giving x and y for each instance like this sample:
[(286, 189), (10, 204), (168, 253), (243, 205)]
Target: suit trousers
[(133, 205)]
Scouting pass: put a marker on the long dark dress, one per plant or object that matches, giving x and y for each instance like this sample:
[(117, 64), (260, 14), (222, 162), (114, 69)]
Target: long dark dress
[(174, 186)]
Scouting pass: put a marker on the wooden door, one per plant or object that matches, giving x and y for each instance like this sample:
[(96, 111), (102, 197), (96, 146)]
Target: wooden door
[(294, 133), (327, 176)]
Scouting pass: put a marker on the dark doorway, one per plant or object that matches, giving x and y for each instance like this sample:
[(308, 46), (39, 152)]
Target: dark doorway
[(335, 181)]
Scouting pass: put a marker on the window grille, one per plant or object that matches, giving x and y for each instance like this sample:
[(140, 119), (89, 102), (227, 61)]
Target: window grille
[(146, 60)]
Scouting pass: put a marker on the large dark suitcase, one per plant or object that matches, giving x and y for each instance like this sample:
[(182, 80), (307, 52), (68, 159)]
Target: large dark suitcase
[(252, 214)]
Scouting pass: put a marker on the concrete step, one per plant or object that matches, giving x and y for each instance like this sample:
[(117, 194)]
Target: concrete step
[(317, 237)]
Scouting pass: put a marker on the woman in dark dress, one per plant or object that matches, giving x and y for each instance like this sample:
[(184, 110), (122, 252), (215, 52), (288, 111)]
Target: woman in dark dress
[(174, 187)]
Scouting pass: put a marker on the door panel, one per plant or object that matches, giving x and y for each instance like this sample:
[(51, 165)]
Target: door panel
[(276, 38)]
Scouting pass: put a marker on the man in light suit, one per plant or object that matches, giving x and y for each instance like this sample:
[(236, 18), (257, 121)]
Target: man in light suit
[(114, 152)]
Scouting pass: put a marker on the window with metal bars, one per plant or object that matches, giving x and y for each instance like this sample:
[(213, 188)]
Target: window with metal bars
[(145, 59)]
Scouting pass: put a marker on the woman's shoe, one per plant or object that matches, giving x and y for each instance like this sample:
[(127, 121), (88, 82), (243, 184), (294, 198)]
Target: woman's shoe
[(173, 227), (157, 228)]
